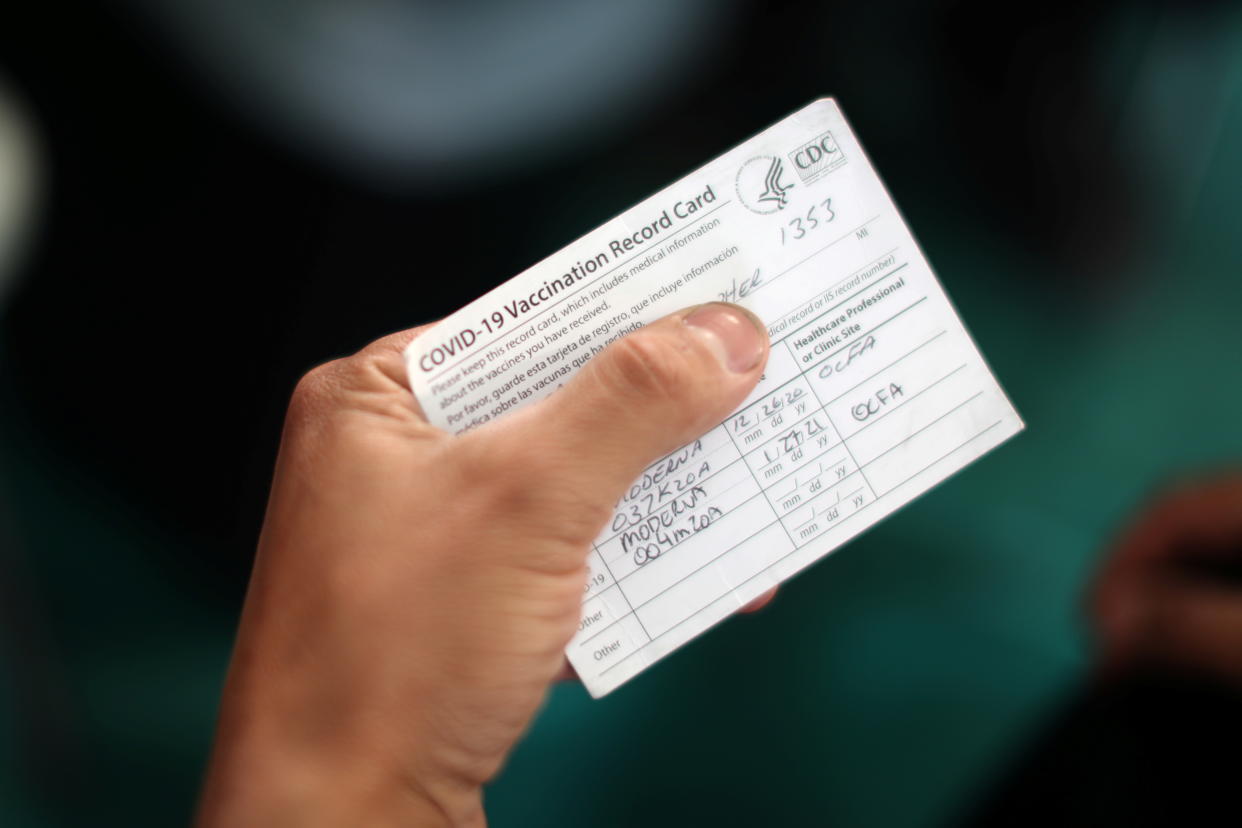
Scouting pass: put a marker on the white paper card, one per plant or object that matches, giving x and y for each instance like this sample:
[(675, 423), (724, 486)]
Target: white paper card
[(873, 393)]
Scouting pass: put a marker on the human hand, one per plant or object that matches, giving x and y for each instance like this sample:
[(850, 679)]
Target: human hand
[(413, 591), (1170, 594)]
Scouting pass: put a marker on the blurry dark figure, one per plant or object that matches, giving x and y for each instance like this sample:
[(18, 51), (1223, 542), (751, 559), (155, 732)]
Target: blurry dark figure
[(1153, 740)]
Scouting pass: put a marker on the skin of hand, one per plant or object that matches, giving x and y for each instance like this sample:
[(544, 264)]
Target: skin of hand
[(1169, 597), (413, 591)]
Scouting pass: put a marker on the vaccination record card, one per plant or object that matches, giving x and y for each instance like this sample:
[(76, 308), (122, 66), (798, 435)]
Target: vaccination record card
[(874, 391)]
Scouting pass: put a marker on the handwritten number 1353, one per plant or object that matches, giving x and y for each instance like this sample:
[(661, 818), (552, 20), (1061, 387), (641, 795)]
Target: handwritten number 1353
[(798, 226)]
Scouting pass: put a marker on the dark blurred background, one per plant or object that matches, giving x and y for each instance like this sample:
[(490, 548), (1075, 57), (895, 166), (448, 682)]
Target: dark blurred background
[(201, 200)]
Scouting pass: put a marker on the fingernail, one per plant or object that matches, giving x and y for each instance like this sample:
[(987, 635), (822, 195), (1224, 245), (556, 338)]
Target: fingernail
[(735, 336)]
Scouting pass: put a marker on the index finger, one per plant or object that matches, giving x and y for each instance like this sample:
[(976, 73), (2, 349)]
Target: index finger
[(396, 343)]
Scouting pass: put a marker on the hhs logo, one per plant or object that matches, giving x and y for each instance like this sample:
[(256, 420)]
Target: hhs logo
[(760, 184), (817, 157)]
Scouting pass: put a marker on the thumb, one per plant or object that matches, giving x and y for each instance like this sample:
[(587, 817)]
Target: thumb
[(643, 396)]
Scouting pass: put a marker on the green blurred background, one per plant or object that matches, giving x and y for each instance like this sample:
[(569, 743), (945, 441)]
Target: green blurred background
[(1075, 176)]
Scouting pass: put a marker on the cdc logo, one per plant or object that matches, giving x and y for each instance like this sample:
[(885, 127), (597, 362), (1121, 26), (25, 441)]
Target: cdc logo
[(817, 157)]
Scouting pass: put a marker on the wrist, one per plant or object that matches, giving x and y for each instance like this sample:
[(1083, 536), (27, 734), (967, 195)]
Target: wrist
[(274, 792), (261, 776)]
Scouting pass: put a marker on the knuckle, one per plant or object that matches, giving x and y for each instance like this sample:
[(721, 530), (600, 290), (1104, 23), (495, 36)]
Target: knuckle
[(508, 470), (533, 489), (317, 391), (579, 519), (670, 378), (649, 367), (364, 384)]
